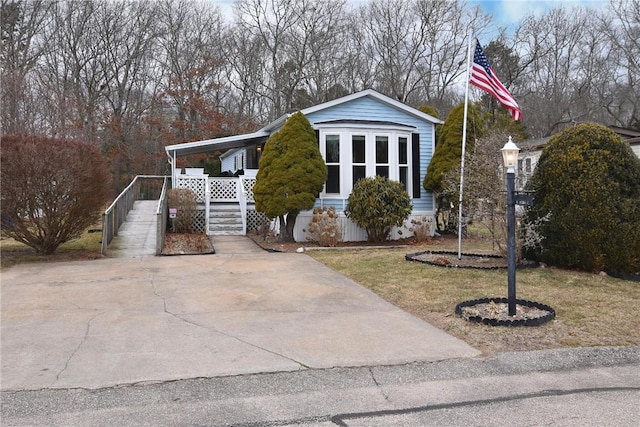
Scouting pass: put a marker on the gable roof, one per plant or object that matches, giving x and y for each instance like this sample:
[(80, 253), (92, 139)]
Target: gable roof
[(239, 141)]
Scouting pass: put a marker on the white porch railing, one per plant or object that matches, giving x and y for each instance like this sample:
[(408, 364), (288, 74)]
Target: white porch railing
[(223, 189), (220, 189)]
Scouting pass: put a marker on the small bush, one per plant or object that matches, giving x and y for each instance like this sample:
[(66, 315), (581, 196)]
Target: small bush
[(325, 227), (184, 200), (377, 204), (51, 189), (421, 228)]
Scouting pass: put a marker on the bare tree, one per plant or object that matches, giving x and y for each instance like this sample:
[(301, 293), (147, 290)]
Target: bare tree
[(447, 27), (128, 33), (564, 55), (270, 21), (245, 68), (620, 96), (192, 57), (21, 23), (360, 62), (320, 28), (71, 73)]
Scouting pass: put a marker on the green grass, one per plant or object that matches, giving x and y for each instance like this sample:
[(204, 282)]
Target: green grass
[(591, 309)]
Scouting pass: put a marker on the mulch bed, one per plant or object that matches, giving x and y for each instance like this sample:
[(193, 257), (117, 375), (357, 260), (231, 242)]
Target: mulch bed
[(495, 312), (450, 259)]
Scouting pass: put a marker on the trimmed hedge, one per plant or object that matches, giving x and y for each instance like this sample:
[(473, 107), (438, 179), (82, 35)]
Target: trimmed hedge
[(588, 180)]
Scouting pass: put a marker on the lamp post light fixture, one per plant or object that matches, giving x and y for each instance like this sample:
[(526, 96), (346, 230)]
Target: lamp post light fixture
[(510, 159)]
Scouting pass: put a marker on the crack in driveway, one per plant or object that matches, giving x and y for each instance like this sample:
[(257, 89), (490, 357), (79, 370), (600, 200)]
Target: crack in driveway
[(212, 329), (75, 351)]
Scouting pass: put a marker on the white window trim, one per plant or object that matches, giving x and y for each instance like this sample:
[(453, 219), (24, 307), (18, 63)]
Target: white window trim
[(370, 132)]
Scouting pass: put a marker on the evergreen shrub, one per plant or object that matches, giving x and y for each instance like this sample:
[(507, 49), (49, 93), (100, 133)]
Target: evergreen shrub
[(587, 201), (377, 204)]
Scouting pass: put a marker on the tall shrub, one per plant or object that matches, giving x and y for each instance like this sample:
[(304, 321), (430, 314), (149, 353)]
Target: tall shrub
[(291, 174), (377, 204), (448, 153), (587, 201), (51, 189)]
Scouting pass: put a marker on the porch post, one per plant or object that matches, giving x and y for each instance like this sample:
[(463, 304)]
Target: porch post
[(207, 203)]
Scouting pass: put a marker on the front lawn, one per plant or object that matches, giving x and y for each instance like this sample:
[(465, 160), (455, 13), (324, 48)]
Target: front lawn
[(591, 309)]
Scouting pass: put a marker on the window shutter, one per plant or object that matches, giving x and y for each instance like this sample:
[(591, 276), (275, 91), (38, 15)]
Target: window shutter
[(317, 132), (415, 166)]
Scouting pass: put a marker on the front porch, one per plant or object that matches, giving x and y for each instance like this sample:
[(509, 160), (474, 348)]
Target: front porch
[(225, 204)]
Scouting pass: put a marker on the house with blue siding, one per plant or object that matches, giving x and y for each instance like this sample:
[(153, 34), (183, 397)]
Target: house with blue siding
[(360, 135)]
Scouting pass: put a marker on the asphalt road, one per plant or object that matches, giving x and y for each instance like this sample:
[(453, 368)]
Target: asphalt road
[(568, 387)]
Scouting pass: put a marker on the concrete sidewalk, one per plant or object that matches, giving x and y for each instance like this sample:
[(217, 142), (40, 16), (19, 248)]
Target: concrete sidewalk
[(95, 324)]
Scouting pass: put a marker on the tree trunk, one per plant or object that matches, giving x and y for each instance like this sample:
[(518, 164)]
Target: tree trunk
[(286, 226)]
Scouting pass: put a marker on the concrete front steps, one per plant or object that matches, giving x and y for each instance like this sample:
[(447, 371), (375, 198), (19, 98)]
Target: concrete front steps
[(225, 219)]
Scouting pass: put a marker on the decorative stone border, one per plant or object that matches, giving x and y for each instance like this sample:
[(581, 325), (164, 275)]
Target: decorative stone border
[(494, 321), (415, 257)]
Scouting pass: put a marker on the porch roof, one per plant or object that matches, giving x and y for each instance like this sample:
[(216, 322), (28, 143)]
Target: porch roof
[(209, 145)]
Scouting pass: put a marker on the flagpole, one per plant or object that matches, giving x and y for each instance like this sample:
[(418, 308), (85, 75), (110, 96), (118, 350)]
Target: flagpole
[(464, 142)]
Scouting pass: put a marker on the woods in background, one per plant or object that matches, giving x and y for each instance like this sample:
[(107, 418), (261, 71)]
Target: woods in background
[(134, 76)]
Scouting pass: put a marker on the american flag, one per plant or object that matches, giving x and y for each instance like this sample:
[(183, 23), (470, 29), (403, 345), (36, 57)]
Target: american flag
[(483, 77)]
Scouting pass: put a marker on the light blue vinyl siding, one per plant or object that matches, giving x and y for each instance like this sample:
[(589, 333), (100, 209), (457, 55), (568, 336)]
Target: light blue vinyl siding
[(368, 108)]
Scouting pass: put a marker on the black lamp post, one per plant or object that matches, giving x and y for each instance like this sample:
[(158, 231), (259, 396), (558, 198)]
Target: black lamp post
[(510, 159)]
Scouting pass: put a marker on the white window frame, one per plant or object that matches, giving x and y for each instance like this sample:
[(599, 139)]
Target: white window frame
[(409, 164), (323, 151), (346, 132)]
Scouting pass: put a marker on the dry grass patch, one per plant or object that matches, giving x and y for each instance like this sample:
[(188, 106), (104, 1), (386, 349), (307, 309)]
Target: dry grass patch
[(592, 310), (88, 246)]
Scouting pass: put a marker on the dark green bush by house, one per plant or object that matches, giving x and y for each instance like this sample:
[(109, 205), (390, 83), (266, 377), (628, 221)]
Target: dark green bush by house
[(377, 204), (446, 156), (291, 174), (587, 191)]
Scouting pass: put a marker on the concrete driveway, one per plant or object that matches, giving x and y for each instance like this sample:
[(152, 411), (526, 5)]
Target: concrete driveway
[(108, 322)]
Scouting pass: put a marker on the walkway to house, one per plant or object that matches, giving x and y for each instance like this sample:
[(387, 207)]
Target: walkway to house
[(137, 235)]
